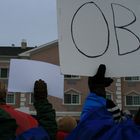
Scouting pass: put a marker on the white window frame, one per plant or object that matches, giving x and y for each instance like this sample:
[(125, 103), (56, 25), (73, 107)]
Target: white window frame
[(14, 98), (74, 93), (72, 77), (133, 79), (133, 105)]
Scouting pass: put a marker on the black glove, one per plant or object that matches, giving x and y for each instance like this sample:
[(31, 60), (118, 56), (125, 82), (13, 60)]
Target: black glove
[(98, 82), (40, 90)]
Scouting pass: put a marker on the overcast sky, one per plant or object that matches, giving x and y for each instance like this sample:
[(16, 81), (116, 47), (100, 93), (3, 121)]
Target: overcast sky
[(33, 20)]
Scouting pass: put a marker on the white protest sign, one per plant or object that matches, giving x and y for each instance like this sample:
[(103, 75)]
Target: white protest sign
[(24, 73), (99, 32)]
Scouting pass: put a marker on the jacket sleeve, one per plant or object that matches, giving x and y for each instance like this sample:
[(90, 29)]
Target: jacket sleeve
[(8, 126), (46, 117), (115, 111)]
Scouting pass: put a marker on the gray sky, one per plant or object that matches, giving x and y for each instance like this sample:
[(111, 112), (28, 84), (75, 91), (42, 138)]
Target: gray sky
[(33, 20)]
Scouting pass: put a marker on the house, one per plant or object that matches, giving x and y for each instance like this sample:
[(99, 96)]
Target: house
[(125, 91), (7, 53), (75, 87)]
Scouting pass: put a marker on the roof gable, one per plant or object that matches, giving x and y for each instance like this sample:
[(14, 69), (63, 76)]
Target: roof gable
[(47, 45)]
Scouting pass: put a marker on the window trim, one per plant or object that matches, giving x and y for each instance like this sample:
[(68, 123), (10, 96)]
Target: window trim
[(132, 80), (75, 93), (7, 73), (109, 95), (30, 94), (14, 99), (132, 104), (75, 77)]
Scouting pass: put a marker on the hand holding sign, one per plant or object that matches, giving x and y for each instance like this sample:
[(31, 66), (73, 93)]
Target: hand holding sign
[(40, 90)]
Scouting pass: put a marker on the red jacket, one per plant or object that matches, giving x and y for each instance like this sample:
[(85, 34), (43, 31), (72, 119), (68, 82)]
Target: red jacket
[(61, 135)]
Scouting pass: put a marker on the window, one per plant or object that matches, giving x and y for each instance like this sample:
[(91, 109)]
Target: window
[(72, 98), (108, 96), (71, 77), (134, 78), (3, 73), (133, 100), (10, 98)]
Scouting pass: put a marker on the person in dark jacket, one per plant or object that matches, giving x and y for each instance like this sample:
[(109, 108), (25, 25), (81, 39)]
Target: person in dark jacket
[(101, 119), (45, 113), (97, 95), (16, 125)]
